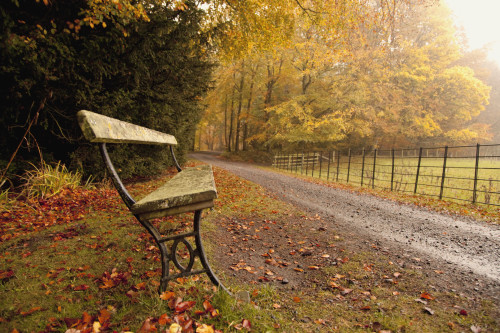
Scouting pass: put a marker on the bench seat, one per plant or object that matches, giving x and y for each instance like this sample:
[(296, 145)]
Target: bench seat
[(189, 190)]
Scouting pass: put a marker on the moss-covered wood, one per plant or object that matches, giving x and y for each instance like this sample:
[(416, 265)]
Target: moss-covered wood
[(99, 128), (191, 189)]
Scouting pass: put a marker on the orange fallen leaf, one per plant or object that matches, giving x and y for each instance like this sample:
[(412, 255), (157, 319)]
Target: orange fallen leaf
[(296, 299), (426, 296), (164, 320), (30, 311), (166, 295)]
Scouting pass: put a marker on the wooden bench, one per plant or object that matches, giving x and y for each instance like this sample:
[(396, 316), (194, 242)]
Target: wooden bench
[(190, 190)]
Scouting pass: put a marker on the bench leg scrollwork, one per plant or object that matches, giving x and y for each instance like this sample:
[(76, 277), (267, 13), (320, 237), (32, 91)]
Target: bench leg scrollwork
[(169, 254)]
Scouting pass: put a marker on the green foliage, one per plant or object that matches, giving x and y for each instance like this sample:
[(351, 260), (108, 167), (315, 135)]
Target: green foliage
[(47, 180), (147, 66)]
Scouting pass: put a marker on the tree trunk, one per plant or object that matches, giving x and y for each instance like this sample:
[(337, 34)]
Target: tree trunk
[(240, 103), (226, 141), (249, 105), (231, 121)]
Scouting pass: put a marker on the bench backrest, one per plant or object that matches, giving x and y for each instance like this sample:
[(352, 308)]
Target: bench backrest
[(99, 128)]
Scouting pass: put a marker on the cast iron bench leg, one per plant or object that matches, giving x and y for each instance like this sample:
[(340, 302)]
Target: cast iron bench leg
[(170, 255)]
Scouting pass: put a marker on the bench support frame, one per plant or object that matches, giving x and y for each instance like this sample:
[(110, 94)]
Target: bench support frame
[(168, 254)]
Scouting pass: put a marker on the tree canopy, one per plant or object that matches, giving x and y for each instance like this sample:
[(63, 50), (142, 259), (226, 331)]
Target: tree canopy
[(354, 74), (144, 62)]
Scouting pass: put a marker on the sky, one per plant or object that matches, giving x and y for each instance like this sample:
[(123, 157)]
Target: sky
[(481, 21)]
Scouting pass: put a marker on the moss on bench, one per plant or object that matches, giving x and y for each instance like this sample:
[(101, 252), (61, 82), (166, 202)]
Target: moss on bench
[(191, 189)]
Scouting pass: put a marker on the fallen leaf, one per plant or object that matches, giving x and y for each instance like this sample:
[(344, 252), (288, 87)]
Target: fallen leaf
[(428, 310), (147, 327), (166, 295), (30, 311), (81, 287), (296, 299), (175, 328), (104, 316), (426, 296), (204, 329), (246, 324), (345, 291), (96, 327), (184, 306), (164, 319), (476, 329)]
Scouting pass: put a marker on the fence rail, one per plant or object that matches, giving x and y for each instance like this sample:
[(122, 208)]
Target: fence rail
[(458, 173)]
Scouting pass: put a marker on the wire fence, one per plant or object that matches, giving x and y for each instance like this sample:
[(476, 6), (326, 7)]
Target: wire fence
[(458, 173)]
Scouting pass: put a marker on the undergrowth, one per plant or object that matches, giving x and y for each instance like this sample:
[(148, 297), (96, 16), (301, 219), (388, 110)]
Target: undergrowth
[(47, 180)]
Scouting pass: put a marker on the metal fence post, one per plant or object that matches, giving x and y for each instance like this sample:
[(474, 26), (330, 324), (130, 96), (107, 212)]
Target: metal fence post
[(329, 159), (349, 165), (296, 162), (363, 167), (302, 164), (374, 164), (314, 159), (392, 170), (320, 162), (444, 172), (418, 169), (338, 165), (476, 169), (307, 163)]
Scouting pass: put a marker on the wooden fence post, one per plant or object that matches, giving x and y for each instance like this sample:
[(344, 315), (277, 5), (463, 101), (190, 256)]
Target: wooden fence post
[(476, 169), (444, 172), (374, 164)]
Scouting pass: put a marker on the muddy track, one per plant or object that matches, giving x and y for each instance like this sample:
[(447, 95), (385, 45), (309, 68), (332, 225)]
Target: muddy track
[(467, 251)]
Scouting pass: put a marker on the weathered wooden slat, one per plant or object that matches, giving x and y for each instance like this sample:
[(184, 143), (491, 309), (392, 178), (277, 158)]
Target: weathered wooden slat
[(99, 128), (189, 187)]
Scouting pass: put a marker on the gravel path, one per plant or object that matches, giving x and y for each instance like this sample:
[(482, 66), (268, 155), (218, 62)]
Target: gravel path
[(466, 250)]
